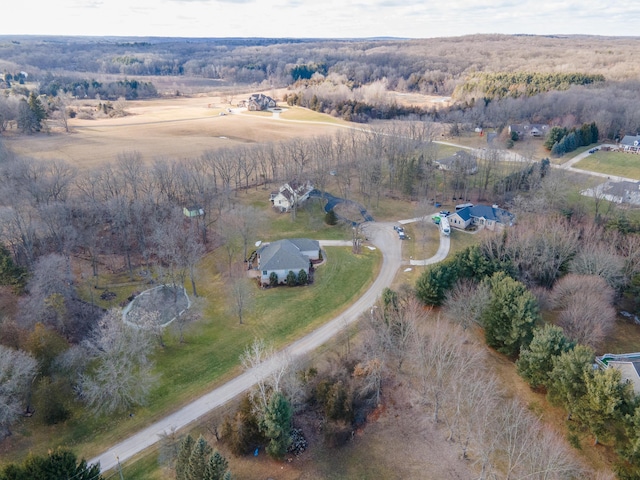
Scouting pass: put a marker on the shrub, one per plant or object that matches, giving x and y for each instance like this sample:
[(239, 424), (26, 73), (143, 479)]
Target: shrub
[(292, 280), (303, 278), (331, 218)]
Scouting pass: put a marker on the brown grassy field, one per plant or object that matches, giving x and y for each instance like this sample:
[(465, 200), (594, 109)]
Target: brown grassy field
[(178, 127)]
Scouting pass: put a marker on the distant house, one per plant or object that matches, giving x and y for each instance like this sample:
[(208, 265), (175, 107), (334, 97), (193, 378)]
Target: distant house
[(258, 102), (482, 216), (628, 364), (630, 143), (193, 211), (287, 255), (460, 161), (616, 192), (291, 194), (529, 129)]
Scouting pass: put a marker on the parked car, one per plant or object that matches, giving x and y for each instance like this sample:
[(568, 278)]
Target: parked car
[(398, 229), (444, 213)]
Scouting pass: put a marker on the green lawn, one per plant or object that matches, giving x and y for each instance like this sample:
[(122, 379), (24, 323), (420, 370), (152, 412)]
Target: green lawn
[(612, 163)]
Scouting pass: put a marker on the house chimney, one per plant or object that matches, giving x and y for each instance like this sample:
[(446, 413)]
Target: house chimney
[(495, 205)]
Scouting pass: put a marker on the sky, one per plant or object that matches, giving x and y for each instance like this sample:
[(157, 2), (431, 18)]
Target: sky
[(318, 18)]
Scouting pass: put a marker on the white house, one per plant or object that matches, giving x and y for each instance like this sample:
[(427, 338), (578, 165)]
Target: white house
[(286, 255), (628, 364), (461, 162), (290, 194), (630, 143), (482, 216)]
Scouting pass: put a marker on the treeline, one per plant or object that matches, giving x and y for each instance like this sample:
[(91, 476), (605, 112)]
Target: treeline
[(612, 106), (432, 66), (561, 140), (353, 110), (84, 88), (517, 84)]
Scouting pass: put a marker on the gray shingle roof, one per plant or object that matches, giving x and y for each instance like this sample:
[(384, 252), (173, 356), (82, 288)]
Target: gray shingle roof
[(305, 244), (282, 255), (488, 212)]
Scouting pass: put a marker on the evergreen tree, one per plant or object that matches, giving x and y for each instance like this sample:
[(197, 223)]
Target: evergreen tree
[(198, 459), (510, 316), (59, 464), (277, 425), (631, 452), (184, 453), (601, 408), (536, 361), (330, 218), (303, 279), (217, 467), (292, 279), (432, 286), (595, 134), (566, 384), (554, 136), (38, 110)]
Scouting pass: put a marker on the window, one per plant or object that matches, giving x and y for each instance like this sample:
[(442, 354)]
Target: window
[(264, 273)]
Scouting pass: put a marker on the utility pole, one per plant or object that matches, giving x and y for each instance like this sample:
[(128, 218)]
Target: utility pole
[(119, 468)]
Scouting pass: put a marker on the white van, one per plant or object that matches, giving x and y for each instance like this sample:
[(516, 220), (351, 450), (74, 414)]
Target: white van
[(444, 226)]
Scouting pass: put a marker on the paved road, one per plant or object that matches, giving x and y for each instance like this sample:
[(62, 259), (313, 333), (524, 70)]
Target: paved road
[(384, 238)]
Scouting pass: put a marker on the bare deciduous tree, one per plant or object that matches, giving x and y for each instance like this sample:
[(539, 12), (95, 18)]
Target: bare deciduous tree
[(585, 304), (123, 372), (17, 370)]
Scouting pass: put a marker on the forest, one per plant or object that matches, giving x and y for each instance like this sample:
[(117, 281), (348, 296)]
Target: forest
[(355, 76)]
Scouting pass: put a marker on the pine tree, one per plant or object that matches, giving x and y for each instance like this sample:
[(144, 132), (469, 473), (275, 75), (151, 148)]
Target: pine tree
[(567, 379), (510, 316), (217, 467), (606, 395), (184, 452), (536, 361), (277, 425), (38, 110), (198, 460)]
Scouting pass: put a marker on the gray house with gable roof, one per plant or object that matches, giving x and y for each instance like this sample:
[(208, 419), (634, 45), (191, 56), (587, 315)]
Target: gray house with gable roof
[(286, 255)]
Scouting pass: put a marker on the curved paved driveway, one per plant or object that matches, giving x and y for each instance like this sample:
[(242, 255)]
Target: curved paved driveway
[(382, 236)]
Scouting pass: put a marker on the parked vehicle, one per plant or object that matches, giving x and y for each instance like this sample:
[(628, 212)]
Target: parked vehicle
[(436, 219), (398, 229), (445, 228)]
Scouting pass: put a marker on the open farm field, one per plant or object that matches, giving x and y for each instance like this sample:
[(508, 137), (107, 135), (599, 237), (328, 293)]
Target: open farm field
[(177, 127), (619, 164)]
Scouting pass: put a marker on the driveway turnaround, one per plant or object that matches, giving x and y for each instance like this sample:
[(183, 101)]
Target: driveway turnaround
[(384, 238)]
